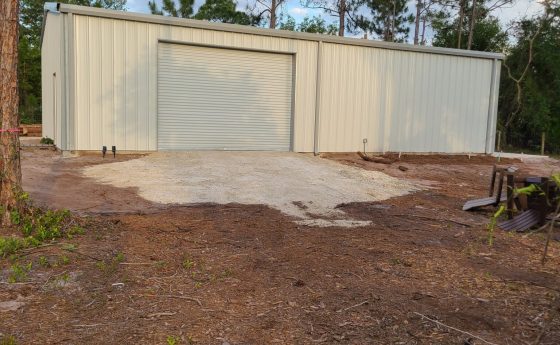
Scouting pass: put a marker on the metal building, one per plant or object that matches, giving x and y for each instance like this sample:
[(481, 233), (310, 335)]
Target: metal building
[(146, 83)]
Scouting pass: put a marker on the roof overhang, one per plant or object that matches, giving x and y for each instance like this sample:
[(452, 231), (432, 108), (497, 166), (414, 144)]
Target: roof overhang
[(202, 24)]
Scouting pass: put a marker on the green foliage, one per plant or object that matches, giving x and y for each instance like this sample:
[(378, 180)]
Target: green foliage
[(224, 11), (530, 189), (110, 266), (10, 245), (289, 24), (8, 340), (63, 260), (47, 141), (388, 19), (188, 264), (315, 25), (38, 226), (172, 340), (44, 262), (492, 224), (169, 8), (18, 272), (119, 257), (488, 34), (540, 89)]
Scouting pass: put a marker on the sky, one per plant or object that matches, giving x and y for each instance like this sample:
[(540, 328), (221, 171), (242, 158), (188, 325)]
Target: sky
[(294, 8)]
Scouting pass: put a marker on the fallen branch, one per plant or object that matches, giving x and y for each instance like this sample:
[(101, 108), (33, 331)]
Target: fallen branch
[(553, 313), (375, 159), (161, 314), (92, 325), (455, 329), (354, 306), (192, 299)]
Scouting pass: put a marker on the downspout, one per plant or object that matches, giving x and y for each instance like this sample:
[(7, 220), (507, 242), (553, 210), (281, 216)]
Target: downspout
[(317, 99)]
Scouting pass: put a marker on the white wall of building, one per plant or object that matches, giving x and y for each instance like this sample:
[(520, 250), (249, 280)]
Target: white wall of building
[(400, 100)]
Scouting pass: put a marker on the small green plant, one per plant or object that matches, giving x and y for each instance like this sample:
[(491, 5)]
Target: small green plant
[(101, 265), (10, 245), (8, 340), (47, 141), (15, 217), (44, 262), (492, 224), (18, 272), (188, 264), (75, 230), (69, 247), (119, 258), (228, 272), (65, 278), (64, 260), (197, 285), (37, 226), (172, 340)]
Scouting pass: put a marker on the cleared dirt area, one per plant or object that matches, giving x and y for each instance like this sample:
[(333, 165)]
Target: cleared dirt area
[(300, 185), (248, 274)]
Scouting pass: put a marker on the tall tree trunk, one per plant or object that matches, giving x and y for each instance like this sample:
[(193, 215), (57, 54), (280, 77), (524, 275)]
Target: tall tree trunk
[(10, 178), (393, 21), (341, 17), (424, 20), (273, 8), (460, 24), (417, 21), (471, 26)]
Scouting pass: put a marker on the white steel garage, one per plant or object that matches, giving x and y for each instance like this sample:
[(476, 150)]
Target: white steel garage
[(147, 83)]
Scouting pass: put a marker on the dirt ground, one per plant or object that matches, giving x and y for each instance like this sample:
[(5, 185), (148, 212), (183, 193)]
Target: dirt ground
[(247, 274)]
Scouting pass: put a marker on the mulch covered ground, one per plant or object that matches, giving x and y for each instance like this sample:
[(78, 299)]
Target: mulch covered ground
[(247, 274)]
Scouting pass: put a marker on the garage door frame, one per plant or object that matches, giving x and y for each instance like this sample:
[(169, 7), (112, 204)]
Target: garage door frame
[(271, 51)]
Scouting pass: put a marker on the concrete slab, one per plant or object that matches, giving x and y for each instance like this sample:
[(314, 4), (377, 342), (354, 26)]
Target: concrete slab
[(300, 185), (521, 156)]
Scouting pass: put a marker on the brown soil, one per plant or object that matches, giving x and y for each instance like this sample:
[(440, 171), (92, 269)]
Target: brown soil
[(247, 274)]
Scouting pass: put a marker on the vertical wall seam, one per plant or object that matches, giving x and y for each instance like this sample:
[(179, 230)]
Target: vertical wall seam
[(71, 128), (317, 99)]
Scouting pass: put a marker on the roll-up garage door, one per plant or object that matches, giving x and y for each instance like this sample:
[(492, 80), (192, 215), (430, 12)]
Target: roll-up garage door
[(223, 99)]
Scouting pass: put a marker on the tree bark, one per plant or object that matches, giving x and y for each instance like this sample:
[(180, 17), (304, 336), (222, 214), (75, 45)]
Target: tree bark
[(10, 178), (460, 24), (471, 26), (417, 21), (273, 8), (341, 17), (424, 20)]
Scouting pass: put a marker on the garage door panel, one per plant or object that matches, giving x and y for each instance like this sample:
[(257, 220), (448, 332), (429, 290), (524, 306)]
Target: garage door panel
[(216, 99)]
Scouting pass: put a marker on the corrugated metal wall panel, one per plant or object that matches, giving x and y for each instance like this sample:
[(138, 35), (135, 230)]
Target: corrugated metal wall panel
[(125, 115), (223, 99), (402, 101), (398, 100), (51, 85)]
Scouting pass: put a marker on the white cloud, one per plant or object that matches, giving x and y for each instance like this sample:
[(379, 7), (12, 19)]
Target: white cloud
[(298, 11)]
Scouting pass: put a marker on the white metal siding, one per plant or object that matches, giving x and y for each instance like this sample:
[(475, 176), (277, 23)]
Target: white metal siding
[(51, 78), (223, 99), (399, 100), (402, 101), (116, 80)]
